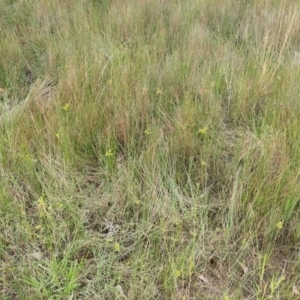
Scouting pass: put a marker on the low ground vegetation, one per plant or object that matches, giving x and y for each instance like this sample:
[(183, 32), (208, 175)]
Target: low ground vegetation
[(149, 149)]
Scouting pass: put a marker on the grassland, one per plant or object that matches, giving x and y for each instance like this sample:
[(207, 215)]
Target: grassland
[(149, 149)]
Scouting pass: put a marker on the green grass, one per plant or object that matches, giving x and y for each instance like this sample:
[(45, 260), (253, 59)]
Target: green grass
[(149, 149)]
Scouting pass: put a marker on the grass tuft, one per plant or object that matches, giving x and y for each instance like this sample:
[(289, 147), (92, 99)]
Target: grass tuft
[(149, 149)]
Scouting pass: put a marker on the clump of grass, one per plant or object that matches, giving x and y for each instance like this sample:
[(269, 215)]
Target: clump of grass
[(149, 149)]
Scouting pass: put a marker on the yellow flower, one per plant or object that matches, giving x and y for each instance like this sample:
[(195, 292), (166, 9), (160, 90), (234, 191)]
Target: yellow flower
[(41, 200), (158, 91), (177, 273), (41, 206), (66, 107), (38, 227), (203, 131), (203, 163), (117, 247), (137, 202), (147, 131), (28, 157), (59, 206), (279, 225), (109, 153), (57, 135)]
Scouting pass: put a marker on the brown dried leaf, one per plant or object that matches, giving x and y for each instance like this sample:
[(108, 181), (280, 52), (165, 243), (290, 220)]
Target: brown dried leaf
[(36, 255), (295, 290), (203, 278), (120, 290), (244, 268)]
